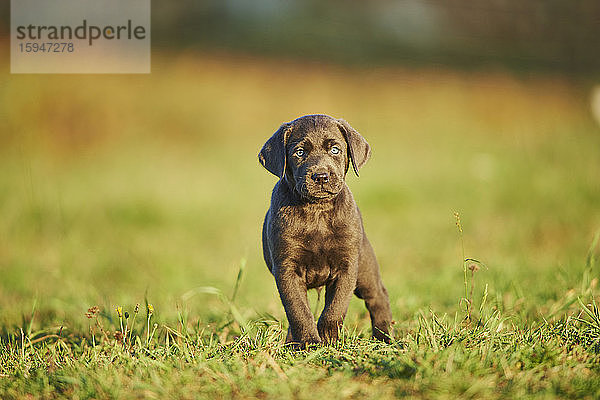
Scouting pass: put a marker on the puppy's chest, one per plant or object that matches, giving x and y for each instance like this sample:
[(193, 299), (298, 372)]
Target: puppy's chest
[(322, 248)]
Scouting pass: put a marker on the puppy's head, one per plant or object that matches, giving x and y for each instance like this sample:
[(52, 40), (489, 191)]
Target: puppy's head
[(313, 153)]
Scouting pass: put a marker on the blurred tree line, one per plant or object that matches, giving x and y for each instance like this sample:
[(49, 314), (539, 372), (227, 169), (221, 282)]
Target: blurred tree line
[(554, 35)]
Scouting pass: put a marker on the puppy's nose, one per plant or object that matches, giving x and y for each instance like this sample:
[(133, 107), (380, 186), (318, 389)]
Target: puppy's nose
[(320, 178)]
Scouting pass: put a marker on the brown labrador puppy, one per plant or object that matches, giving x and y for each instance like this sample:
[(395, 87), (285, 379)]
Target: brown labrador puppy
[(313, 233)]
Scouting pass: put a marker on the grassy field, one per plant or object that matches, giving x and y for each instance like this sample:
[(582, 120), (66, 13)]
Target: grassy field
[(125, 190)]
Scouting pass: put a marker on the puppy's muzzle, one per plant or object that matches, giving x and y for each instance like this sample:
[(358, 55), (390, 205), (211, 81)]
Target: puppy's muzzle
[(319, 185), (320, 178)]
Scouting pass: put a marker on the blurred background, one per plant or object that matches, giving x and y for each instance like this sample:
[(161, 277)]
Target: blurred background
[(116, 188)]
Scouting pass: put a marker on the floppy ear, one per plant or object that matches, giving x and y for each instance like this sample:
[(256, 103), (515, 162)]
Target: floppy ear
[(273, 154), (358, 148)]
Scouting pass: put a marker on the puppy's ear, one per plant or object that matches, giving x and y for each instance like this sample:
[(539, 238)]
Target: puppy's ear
[(358, 148), (273, 154)]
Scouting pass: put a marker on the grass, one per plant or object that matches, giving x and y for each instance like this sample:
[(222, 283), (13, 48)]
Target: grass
[(125, 190)]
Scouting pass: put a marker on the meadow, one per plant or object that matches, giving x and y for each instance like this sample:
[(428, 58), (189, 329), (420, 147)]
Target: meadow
[(117, 191)]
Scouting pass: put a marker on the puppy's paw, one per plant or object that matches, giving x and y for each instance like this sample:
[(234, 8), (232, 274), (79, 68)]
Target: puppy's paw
[(303, 342), (382, 333), (329, 329)]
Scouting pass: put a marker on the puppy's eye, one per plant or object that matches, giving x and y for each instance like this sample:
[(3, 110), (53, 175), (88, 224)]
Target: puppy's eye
[(299, 152), (335, 150)]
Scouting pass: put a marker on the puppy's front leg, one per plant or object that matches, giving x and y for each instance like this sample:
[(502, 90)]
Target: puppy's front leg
[(292, 291), (337, 297)]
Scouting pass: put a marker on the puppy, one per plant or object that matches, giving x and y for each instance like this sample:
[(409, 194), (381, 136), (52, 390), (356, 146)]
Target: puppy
[(313, 234)]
